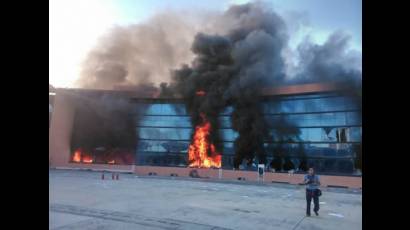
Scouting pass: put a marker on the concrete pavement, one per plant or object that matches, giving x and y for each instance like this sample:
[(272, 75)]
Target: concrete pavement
[(81, 200)]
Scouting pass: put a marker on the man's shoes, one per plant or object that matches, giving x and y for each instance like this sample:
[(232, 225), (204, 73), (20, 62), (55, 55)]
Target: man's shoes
[(307, 214), (317, 214)]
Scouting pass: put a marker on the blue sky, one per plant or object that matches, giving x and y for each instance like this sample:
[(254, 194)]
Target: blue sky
[(75, 25), (324, 16)]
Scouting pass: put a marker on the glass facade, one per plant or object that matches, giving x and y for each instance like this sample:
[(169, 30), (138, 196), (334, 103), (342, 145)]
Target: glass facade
[(323, 130), (164, 133)]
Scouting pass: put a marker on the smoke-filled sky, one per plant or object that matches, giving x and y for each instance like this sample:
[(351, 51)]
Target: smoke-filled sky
[(79, 30)]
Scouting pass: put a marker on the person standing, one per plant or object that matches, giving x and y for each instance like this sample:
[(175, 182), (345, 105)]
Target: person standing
[(312, 182)]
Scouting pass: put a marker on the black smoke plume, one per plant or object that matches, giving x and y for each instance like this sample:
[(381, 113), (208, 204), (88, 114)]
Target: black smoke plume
[(140, 53), (329, 62), (103, 121), (245, 56), (241, 52), (231, 68), (204, 83)]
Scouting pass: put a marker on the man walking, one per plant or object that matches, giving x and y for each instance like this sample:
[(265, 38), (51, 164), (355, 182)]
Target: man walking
[(312, 182)]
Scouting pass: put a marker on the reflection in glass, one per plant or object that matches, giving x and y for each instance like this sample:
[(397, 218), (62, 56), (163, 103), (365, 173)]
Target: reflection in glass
[(164, 133), (165, 109), (165, 121), (162, 146), (322, 131)]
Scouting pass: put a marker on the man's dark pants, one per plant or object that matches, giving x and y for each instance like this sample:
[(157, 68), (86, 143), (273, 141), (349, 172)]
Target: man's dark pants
[(309, 195)]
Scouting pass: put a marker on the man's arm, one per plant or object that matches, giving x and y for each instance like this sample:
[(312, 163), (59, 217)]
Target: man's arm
[(318, 180), (305, 180)]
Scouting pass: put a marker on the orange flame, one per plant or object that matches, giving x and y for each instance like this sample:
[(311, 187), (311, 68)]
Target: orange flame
[(200, 93), (111, 162), (87, 159), (200, 146), (77, 156)]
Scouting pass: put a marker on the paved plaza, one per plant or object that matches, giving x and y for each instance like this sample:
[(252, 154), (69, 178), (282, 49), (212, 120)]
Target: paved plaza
[(82, 200)]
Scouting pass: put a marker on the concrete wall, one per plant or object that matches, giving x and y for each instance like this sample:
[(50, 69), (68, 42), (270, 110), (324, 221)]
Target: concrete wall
[(303, 88), (99, 167), (351, 182), (345, 181), (60, 130)]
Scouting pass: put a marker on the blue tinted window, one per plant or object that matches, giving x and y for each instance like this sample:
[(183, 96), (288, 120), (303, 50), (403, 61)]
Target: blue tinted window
[(316, 119), (225, 122), (166, 109), (355, 134), (330, 104), (270, 107), (179, 109), (227, 111), (308, 96), (314, 104), (353, 103), (353, 118), (228, 134), (291, 106), (162, 146), (314, 134), (309, 122), (154, 109), (165, 121), (332, 119), (228, 148), (164, 133), (310, 103), (305, 119)]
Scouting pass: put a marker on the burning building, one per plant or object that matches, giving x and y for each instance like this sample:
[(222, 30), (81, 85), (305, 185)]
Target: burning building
[(317, 124), (239, 103)]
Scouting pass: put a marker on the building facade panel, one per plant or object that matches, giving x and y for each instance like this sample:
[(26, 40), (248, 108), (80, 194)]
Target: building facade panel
[(323, 129)]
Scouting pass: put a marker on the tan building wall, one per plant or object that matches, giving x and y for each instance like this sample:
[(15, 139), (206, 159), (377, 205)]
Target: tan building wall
[(347, 181), (60, 130)]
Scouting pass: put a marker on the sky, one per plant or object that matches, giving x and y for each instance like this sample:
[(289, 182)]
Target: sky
[(76, 25)]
